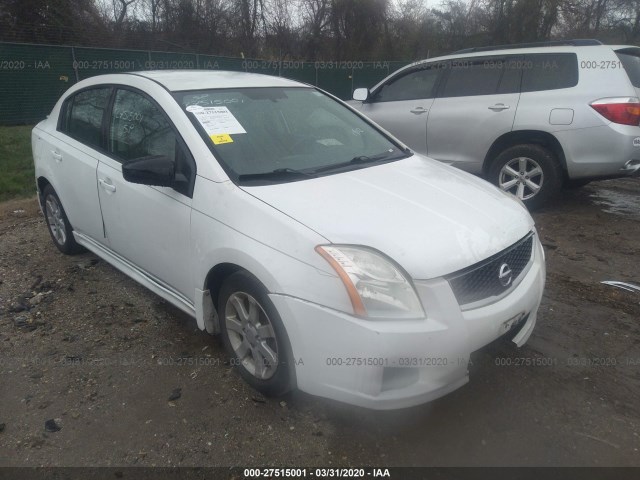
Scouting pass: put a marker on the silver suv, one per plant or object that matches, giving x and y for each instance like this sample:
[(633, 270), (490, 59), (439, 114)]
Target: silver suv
[(529, 118)]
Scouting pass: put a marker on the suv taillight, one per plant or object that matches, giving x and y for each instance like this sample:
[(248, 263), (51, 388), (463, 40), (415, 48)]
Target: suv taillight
[(623, 110)]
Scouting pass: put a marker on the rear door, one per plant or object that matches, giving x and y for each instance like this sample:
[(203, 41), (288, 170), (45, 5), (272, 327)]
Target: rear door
[(148, 226), (73, 154), (402, 105), (476, 103)]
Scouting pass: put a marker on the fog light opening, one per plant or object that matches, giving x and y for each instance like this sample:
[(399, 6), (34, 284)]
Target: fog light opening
[(394, 378)]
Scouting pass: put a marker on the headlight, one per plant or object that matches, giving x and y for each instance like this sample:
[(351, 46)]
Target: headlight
[(377, 288)]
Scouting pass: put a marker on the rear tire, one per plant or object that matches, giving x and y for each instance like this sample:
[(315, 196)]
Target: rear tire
[(531, 172), (254, 335), (58, 224)]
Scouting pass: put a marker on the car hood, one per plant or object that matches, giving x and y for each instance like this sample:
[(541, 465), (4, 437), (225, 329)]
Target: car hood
[(430, 218)]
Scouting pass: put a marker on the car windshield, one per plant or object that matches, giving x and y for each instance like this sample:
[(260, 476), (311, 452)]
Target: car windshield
[(273, 135)]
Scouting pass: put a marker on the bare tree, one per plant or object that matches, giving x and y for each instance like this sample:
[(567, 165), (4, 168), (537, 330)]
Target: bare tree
[(120, 8), (280, 32), (316, 15)]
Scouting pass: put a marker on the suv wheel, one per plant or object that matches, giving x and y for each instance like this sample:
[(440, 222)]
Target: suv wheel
[(58, 223), (254, 335), (530, 172)]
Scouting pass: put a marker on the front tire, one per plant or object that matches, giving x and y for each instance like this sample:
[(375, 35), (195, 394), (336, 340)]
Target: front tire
[(254, 335), (530, 172), (58, 224)]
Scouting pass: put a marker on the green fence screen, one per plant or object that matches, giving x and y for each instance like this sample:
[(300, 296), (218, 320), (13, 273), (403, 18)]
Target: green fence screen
[(32, 77)]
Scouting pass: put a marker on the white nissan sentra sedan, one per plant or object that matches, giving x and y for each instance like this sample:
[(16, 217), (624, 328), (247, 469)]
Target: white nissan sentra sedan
[(329, 257)]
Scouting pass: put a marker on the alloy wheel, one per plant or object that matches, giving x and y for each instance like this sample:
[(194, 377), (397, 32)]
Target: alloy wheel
[(55, 220), (251, 335), (521, 176)]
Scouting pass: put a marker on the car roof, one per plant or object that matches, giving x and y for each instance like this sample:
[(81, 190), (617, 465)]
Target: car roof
[(177, 80), (519, 51), (502, 51)]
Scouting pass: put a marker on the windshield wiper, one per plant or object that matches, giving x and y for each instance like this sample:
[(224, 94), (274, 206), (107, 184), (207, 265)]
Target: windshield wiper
[(363, 159), (277, 174)]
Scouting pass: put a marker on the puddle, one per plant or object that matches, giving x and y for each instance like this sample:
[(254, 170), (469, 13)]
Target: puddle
[(617, 202)]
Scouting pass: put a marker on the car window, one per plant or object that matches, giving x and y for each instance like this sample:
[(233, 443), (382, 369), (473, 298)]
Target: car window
[(468, 78), (511, 74), (82, 117), (256, 131), (139, 128), (412, 86), (549, 71), (631, 62)]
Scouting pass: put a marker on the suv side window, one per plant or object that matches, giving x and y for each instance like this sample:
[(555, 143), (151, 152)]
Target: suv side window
[(549, 71), (82, 116), (472, 77), (414, 85), (139, 128)]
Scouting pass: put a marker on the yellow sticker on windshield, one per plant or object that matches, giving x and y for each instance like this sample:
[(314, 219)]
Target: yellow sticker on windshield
[(220, 138)]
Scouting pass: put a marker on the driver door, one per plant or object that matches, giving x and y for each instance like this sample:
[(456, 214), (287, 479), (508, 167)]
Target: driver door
[(402, 105)]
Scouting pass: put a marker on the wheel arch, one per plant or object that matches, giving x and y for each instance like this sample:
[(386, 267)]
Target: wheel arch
[(519, 137), (208, 292), (217, 275), (42, 183), (207, 315)]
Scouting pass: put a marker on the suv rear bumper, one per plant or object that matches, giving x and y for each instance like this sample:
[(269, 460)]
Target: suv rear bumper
[(631, 168), (601, 152)]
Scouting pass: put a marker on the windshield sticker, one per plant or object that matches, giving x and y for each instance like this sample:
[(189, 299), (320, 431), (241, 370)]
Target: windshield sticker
[(216, 120), (329, 142), (221, 138)]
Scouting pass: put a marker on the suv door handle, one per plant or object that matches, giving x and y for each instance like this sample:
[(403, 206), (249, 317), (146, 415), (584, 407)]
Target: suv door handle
[(499, 107), (107, 185), (419, 110), (56, 156)]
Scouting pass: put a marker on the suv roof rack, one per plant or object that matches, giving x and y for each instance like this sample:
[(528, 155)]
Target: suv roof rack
[(587, 42)]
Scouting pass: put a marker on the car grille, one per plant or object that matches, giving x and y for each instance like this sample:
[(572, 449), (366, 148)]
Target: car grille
[(482, 281)]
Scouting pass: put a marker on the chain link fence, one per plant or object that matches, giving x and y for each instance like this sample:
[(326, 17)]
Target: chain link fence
[(32, 77)]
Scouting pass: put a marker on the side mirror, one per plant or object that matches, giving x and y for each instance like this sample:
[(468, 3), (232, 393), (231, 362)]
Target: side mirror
[(157, 170), (361, 94)]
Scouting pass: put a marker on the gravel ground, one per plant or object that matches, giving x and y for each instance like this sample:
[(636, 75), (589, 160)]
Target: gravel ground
[(96, 370)]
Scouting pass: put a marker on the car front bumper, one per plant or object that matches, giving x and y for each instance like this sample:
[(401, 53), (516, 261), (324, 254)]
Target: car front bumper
[(388, 364)]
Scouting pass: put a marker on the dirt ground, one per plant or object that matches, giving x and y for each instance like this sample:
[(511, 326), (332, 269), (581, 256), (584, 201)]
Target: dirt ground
[(98, 355)]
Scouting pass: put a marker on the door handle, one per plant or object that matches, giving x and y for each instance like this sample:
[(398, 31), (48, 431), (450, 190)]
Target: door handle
[(56, 156), (419, 110), (107, 185), (498, 107)]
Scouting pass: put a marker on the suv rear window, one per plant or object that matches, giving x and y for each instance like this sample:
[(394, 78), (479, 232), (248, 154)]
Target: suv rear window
[(631, 62), (549, 71)]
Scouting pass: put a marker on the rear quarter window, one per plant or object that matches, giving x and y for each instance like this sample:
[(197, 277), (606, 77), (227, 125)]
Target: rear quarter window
[(631, 62), (549, 71)]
